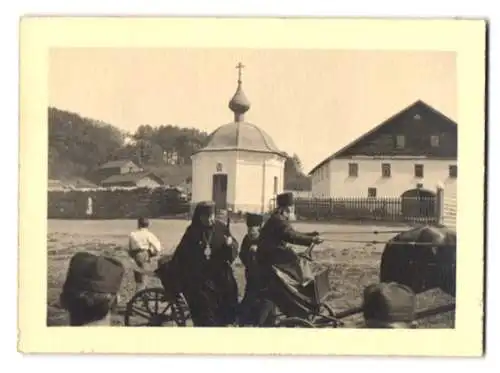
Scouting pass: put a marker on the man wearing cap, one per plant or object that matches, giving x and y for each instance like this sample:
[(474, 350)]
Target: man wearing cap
[(389, 306), (202, 263), (248, 306), (143, 245), (278, 260), (90, 291)]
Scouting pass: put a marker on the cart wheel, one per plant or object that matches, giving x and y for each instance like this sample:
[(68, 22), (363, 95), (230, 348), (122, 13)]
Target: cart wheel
[(326, 316), (294, 322), (326, 309), (152, 307)]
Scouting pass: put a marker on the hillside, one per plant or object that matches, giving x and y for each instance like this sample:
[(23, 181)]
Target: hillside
[(78, 145)]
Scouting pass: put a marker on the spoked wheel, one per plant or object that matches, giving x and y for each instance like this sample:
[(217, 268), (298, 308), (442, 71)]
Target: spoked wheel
[(294, 322), (324, 310), (325, 316), (152, 307)]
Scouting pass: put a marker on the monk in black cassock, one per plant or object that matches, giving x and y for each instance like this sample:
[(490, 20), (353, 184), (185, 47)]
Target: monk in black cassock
[(203, 266), (285, 273), (248, 251)]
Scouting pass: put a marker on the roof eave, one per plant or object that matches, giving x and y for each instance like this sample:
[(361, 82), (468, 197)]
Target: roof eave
[(236, 149)]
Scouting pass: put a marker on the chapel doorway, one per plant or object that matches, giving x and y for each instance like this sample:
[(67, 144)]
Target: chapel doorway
[(219, 191)]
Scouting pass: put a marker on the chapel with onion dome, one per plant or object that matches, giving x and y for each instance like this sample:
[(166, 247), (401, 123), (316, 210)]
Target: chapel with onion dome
[(240, 168)]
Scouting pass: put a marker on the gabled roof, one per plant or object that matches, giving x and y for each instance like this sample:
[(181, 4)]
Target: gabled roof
[(419, 104), (70, 183), (131, 177), (118, 163), (56, 185)]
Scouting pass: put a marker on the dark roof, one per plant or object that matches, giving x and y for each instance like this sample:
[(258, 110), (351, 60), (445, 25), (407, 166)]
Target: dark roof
[(132, 177), (118, 163), (416, 106)]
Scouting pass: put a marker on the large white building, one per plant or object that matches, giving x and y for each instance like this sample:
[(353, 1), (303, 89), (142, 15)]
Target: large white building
[(414, 149), (240, 168)]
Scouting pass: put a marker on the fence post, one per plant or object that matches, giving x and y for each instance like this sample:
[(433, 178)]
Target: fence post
[(439, 206)]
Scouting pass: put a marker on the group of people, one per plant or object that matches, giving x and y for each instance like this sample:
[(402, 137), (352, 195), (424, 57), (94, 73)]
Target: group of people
[(201, 269)]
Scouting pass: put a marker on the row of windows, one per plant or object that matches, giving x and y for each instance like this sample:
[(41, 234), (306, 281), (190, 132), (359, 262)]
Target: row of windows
[(401, 141), (386, 170)]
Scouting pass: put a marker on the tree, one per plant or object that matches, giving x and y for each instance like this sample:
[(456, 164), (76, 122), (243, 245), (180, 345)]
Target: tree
[(295, 179), (297, 162), (77, 144)]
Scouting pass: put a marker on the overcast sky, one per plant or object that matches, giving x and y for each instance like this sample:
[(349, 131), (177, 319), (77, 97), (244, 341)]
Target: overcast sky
[(311, 102)]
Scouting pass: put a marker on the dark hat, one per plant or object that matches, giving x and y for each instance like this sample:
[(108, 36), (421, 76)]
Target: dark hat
[(285, 199), (254, 220), (205, 207), (88, 272), (389, 302)]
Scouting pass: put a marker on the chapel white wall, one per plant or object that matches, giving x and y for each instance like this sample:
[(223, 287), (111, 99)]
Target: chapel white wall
[(204, 166), (250, 178)]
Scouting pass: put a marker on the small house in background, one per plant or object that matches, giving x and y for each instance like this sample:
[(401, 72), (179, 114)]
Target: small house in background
[(80, 183), (70, 184), (135, 179), (57, 186), (120, 167)]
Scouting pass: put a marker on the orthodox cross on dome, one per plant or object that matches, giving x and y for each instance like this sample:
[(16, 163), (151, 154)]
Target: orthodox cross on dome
[(239, 104), (240, 67)]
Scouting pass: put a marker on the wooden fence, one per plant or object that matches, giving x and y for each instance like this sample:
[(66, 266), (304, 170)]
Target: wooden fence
[(397, 209), (450, 208), (122, 204)]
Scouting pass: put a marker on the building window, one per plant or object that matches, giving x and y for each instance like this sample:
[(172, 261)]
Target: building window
[(435, 141), (400, 141), (372, 192), (420, 186), (419, 170), (453, 171), (275, 185), (386, 170), (353, 170)]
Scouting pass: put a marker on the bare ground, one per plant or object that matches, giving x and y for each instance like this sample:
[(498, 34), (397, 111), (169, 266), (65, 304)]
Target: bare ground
[(353, 265)]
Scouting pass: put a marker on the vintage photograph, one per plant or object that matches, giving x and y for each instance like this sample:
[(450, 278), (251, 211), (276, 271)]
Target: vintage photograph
[(252, 188)]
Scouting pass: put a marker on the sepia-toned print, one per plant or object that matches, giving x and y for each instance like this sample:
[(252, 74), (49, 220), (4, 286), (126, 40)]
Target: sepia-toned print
[(272, 186), (340, 220)]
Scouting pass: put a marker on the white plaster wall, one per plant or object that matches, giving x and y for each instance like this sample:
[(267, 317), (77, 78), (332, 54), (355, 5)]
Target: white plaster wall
[(250, 178), (255, 180), (321, 180), (370, 176), (204, 167)]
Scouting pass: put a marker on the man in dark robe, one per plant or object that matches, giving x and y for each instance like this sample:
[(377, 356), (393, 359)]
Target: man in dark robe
[(248, 306), (203, 268), (284, 272)]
